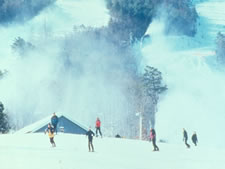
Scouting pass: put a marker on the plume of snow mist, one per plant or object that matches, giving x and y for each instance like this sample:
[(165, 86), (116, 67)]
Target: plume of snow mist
[(66, 72), (196, 91)]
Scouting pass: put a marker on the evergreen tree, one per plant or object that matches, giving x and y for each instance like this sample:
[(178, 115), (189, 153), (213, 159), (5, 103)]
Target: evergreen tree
[(21, 46), (152, 87), (144, 95), (220, 48), (152, 80), (4, 121)]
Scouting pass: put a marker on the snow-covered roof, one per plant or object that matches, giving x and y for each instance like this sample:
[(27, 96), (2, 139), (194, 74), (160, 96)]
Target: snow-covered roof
[(39, 124)]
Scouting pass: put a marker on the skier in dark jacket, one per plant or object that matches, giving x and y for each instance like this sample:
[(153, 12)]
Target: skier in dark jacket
[(185, 138), (194, 138), (90, 135), (153, 139), (54, 121), (50, 132)]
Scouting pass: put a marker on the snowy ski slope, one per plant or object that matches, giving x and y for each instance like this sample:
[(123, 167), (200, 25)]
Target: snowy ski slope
[(33, 151)]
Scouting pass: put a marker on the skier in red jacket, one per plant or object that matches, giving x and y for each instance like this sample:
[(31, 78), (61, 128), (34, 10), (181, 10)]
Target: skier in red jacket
[(98, 127)]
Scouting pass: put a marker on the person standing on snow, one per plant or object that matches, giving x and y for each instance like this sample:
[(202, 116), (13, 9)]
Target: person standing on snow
[(98, 127), (153, 139), (185, 138), (50, 132), (90, 135), (54, 121), (194, 138)]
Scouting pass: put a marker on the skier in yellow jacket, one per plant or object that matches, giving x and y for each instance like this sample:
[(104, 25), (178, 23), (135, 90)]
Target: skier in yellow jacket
[(50, 131)]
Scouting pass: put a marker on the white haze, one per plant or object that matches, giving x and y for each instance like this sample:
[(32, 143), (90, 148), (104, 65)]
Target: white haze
[(196, 90), (38, 84)]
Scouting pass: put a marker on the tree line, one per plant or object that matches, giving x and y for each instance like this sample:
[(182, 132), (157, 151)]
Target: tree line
[(21, 10), (134, 16)]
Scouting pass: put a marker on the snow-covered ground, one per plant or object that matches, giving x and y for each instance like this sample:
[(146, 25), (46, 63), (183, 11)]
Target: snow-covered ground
[(33, 151)]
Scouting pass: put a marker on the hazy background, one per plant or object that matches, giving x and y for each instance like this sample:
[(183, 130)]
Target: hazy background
[(73, 73)]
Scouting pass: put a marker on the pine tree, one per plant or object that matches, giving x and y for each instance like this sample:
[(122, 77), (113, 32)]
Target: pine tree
[(21, 46), (146, 90), (220, 48), (152, 87), (4, 121), (152, 81)]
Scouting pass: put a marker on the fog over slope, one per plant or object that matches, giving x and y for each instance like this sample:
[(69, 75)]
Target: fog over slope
[(41, 82), (38, 83), (195, 80)]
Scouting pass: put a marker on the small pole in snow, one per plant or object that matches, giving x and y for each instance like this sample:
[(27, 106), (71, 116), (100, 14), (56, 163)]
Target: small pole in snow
[(140, 124), (140, 121)]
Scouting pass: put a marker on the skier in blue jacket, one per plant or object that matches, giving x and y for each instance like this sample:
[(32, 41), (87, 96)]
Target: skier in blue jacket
[(54, 121)]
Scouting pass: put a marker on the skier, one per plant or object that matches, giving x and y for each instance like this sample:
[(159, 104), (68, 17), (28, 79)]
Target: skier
[(153, 139), (185, 138), (98, 127), (90, 135), (50, 132), (54, 121), (194, 138)]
